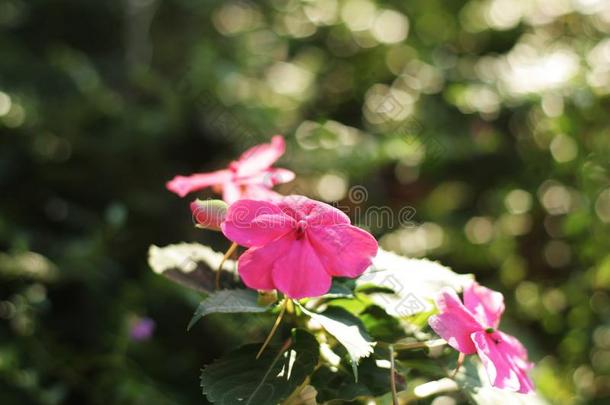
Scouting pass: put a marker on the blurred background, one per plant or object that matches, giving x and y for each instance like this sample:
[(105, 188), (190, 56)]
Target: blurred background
[(488, 117)]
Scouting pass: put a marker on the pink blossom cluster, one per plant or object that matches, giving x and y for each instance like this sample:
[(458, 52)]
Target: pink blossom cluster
[(296, 245)]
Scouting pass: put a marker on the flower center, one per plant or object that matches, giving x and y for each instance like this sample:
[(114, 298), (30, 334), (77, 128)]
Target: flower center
[(493, 335), (301, 226)]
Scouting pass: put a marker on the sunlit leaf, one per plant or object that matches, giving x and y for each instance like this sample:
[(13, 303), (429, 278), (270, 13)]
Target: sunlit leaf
[(192, 265), (415, 283)]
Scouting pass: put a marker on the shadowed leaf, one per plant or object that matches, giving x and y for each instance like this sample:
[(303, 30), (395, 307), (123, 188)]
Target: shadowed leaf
[(228, 301), (340, 385), (240, 379), (348, 330)]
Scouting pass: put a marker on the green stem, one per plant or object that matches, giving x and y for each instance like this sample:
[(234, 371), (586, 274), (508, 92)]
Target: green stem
[(460, 362), (222, 262), (414, 345), (392, 376), (274, 328)]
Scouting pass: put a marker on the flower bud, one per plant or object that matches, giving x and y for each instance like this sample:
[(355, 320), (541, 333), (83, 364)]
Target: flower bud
[(209, 214)]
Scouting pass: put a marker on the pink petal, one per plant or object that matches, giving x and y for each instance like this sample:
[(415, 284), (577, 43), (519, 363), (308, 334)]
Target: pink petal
[(231, 192), (255, 264), (455, 323), (486, 304), (345, 250), (260, 157), (496, 356), (316, 213), (518, 356), (255, 223), (277, 175), (516, 350), (257, 192), (299, 273), (182, 185), (269, 177), (297, 206)]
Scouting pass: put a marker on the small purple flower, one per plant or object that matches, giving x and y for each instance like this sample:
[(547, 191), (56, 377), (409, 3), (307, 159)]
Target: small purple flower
[(141, 329)]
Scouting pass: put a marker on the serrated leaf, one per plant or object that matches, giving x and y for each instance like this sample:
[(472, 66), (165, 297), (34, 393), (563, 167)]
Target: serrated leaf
[(348, 330), (340, 385), (192, 265), (415, 283), (227, 301), (240, 379)]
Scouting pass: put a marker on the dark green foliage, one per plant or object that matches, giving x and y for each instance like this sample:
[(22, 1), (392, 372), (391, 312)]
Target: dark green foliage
[(373, 381), (238, 378), (381, 326), (226, 302)]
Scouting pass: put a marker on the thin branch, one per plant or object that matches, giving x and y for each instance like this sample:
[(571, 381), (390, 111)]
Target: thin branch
[(401, 345), (230, 251), (274, 328), (393, 377), (460, 362)]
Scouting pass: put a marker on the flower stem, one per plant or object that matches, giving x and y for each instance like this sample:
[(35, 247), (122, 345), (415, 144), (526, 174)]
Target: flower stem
[(222, 262), (274, 328), (393, 377), (412, 345), (460, 361)]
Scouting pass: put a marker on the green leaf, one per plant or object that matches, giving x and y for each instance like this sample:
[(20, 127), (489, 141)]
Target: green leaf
[(353, 306), (340, 385), (192, 265), (369, 288), (420, 320), (228, 301), (380, 325), (420, 365), (341, 287), (415, 283), (240, 379), (348, 330)]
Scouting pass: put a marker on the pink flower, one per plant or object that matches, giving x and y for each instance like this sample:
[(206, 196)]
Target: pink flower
[(251, 176), (296, 245), (471, 328)]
